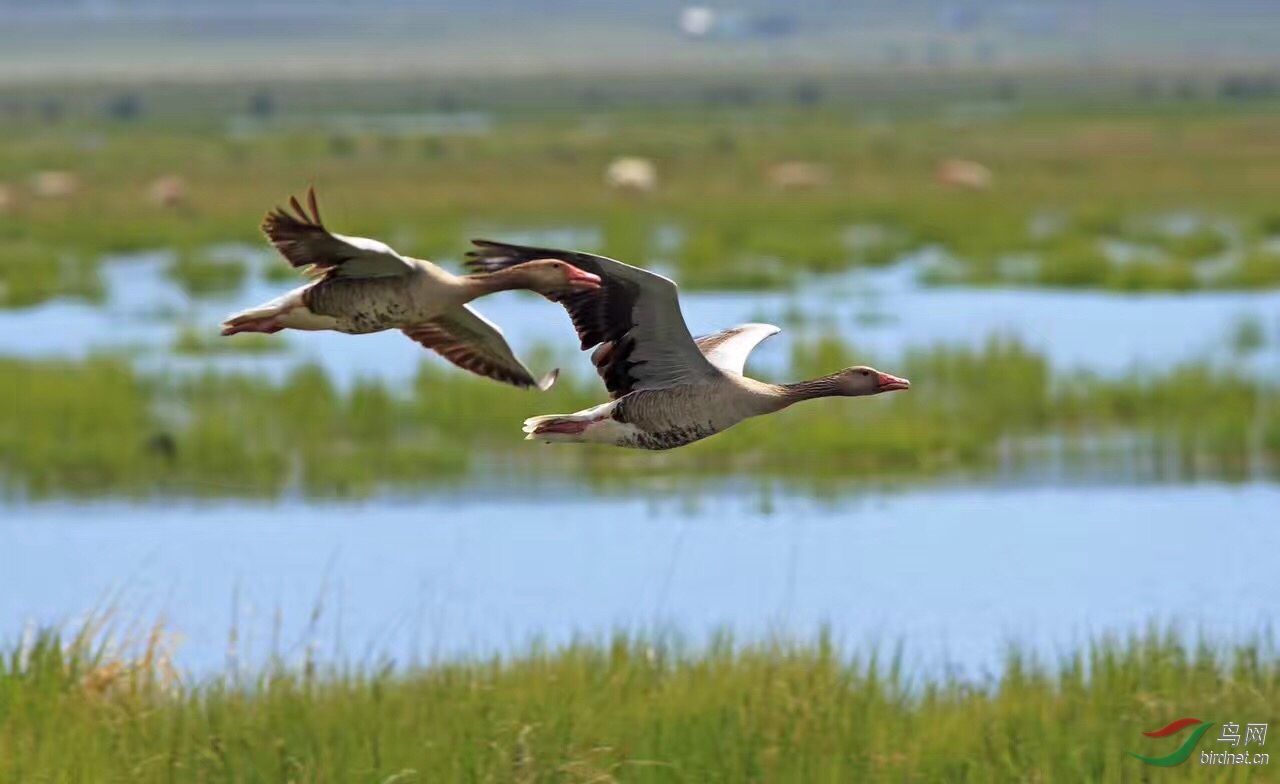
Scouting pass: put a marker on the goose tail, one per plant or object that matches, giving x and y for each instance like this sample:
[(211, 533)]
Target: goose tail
[(557, 427), (288, 311), (264, 319)]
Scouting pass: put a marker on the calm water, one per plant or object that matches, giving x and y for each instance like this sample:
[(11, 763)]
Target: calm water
[(883, 312), (953, 574)]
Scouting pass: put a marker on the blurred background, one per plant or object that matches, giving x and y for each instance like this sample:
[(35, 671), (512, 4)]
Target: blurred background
[(1058, 218)]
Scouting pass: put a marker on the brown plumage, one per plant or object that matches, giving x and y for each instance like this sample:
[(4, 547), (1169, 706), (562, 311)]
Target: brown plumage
[(361, 285), (457, 341)]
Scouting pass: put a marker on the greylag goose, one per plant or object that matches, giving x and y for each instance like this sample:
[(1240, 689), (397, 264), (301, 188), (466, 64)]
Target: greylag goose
[(667, 389), (364, 286)]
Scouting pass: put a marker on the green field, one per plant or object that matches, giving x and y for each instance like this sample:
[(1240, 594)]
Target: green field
[(1171, 197), (1120, 181), (99, 428), (630, 710)]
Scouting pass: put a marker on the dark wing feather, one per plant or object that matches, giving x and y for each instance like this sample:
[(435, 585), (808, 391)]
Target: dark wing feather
[(474, 343), (634, 317), (303, 240), (598, 316)]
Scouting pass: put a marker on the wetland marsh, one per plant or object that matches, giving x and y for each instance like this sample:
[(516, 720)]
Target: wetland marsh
[(1058, 539)]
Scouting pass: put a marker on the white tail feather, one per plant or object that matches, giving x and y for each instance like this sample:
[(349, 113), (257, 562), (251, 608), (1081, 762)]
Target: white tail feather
[(253, 314), (593, 424), (533, 427), (532, 422), (275, 307), (288, 311)]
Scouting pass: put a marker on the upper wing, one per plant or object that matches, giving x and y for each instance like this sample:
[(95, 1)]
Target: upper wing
[(305, 242), (474, 343), (634, 317), (729, 349)]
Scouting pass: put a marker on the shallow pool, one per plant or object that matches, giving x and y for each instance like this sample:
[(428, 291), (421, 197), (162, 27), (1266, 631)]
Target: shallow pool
[(953, 574), (883, 312)]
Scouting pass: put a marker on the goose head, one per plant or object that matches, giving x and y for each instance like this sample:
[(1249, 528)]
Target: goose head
[(553, 276), (862, 380)]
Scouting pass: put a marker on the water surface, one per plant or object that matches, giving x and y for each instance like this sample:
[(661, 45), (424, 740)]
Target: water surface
[(883, 312), (953, 574)]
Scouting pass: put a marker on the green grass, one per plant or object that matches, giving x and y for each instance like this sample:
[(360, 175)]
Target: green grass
[(632, 710), (199, 273), (97, 427), (1106, 172), (32, 272)]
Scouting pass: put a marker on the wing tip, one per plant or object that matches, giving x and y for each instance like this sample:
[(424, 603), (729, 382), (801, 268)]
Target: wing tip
[(311, 203), (769, 330), (309, 217), (489, 256), (277, 217), (547, 381)]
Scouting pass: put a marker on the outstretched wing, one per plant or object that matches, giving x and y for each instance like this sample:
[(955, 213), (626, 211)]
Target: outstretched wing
[(474, 343), (729, 348), (634, 318), (304, 241)]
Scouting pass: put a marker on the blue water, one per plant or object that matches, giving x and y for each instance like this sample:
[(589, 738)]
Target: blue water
[(952, 574), (884, 313)]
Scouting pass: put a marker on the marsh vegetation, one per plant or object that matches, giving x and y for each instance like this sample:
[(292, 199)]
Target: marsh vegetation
[(626, 709), (1173, 199), (139, 407), (91, 427)]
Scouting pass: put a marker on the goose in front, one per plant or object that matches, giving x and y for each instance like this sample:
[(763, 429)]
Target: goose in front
[(364, 286), (667, 389)]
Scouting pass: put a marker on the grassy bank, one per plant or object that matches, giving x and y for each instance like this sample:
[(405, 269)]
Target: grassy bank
[(631, 711), (98, 427), (1166, 199)]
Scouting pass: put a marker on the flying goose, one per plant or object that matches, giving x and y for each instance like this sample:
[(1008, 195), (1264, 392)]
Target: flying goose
[(666, 388), (364, 286)]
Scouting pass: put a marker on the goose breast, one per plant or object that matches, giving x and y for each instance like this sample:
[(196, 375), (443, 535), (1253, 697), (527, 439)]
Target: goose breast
[(374, 304), (672, 417)]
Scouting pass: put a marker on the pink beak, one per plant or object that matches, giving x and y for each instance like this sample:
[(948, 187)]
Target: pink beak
[(888, 383), (579, 279)]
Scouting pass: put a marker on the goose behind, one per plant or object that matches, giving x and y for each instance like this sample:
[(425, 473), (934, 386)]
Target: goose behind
[(362, 285)]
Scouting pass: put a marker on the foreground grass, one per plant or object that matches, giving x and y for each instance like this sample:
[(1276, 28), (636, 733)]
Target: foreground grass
[(631, 711), (99, 427), (1067, 186)]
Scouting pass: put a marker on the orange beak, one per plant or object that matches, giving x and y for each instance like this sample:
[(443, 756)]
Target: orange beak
[(579, 279), (888, 383)]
